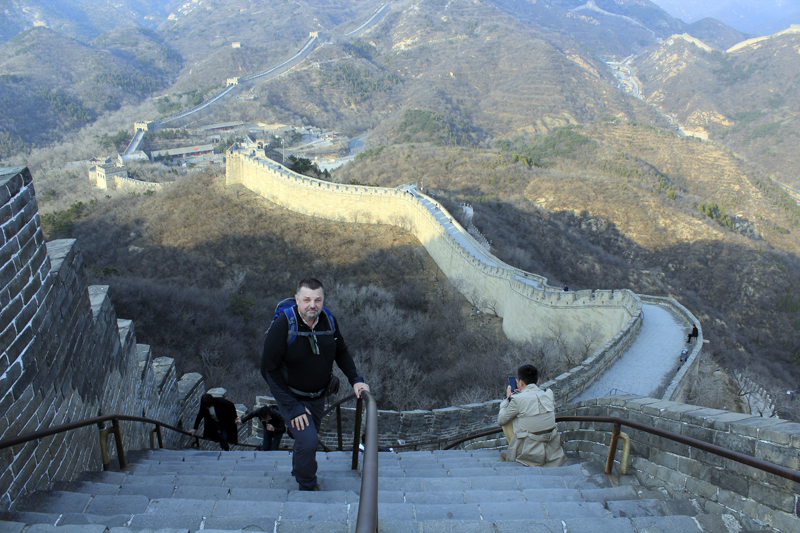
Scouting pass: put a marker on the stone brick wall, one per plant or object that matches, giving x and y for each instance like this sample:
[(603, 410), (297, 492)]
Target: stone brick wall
[(65, 356), (397, 427), (137, 186), (718, 484)]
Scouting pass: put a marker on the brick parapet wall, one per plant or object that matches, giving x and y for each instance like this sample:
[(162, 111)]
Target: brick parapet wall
[(399, 427), (137, 186), (719, 483), (64, 355)]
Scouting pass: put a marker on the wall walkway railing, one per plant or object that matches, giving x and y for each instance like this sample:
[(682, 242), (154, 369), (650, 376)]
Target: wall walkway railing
[(100, 421), (368, 505), (759, 464)]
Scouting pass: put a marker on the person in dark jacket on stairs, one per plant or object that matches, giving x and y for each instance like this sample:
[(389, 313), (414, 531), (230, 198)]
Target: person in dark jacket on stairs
[(298, 372), (273, 424), (220, 420)]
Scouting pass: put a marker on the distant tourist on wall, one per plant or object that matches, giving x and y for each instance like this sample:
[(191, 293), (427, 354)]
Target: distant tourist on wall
[(528, 419), (219, 416), (273, 424), (694, 334)]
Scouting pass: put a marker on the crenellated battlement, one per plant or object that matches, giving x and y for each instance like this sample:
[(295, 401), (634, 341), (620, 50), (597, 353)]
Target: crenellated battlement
[(481, 277), (65, 356)]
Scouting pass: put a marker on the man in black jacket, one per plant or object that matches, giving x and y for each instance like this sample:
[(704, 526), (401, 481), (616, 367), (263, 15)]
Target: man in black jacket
[(273, 424), (298, 371), (220, 419)]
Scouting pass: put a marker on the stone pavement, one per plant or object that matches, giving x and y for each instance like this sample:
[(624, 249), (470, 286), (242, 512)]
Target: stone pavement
[(647, 367)]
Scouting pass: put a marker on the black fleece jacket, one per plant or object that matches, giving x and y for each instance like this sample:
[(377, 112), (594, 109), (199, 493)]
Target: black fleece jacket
[(297, 366)]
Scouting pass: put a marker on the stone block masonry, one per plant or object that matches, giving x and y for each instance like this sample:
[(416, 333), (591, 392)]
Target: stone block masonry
[(525, 307), (65, 357), (659, 462)]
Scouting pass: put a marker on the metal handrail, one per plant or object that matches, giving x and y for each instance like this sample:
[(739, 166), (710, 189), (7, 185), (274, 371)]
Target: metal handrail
[(156, 435), (462, 440), (338, 406), (760, 464), (367, 521), (115, 429)]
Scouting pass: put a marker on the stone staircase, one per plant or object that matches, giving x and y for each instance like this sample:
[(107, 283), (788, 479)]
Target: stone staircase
[(432, 492)]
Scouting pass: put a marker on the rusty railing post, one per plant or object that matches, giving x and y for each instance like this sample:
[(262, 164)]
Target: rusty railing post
[(156, 433), (612, 449), (118, 440)]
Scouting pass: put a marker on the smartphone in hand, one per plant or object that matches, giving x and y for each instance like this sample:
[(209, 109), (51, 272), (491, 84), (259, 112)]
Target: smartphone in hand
[(512, 381)]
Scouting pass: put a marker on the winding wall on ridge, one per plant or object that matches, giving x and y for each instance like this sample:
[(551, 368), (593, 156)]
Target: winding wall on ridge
[(526, 308)]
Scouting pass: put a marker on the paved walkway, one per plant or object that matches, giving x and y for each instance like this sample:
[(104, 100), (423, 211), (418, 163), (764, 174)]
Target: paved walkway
[(651, 361)]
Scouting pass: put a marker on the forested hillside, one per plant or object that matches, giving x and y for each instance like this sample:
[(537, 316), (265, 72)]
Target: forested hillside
[(51, 85), (81, 19)]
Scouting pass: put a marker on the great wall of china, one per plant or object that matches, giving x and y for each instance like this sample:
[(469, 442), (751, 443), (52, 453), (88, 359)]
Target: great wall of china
[(526, 303), (65, 357)]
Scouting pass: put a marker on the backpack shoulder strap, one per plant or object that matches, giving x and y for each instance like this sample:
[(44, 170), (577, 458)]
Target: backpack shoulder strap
[(331, 321), (291, 333)]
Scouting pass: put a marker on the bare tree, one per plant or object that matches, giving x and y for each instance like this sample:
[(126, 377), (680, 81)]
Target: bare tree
[(235, 281), (395, 382), (588, 339)]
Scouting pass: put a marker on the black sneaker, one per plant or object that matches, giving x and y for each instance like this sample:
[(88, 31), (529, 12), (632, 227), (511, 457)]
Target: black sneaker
[(315, 487)]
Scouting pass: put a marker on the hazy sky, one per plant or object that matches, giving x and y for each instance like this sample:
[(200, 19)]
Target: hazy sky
[(749, 16)]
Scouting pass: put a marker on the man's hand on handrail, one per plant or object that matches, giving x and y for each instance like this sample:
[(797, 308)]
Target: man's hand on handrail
[(358, 387)]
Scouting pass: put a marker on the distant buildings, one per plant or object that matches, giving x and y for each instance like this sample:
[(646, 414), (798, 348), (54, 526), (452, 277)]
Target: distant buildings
[(174, 154), (103, 175)]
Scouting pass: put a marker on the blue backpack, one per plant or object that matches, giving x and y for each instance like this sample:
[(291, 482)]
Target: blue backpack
[(287, 308)]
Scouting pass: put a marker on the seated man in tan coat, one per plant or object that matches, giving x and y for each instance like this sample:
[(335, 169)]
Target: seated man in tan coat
[(529, 422)]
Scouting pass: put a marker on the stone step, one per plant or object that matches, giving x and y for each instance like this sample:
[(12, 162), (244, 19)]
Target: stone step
[(444, 492), (328, 520), (667, 524)]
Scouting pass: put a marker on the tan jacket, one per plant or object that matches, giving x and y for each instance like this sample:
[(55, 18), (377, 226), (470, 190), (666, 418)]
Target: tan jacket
[(526, 417)]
